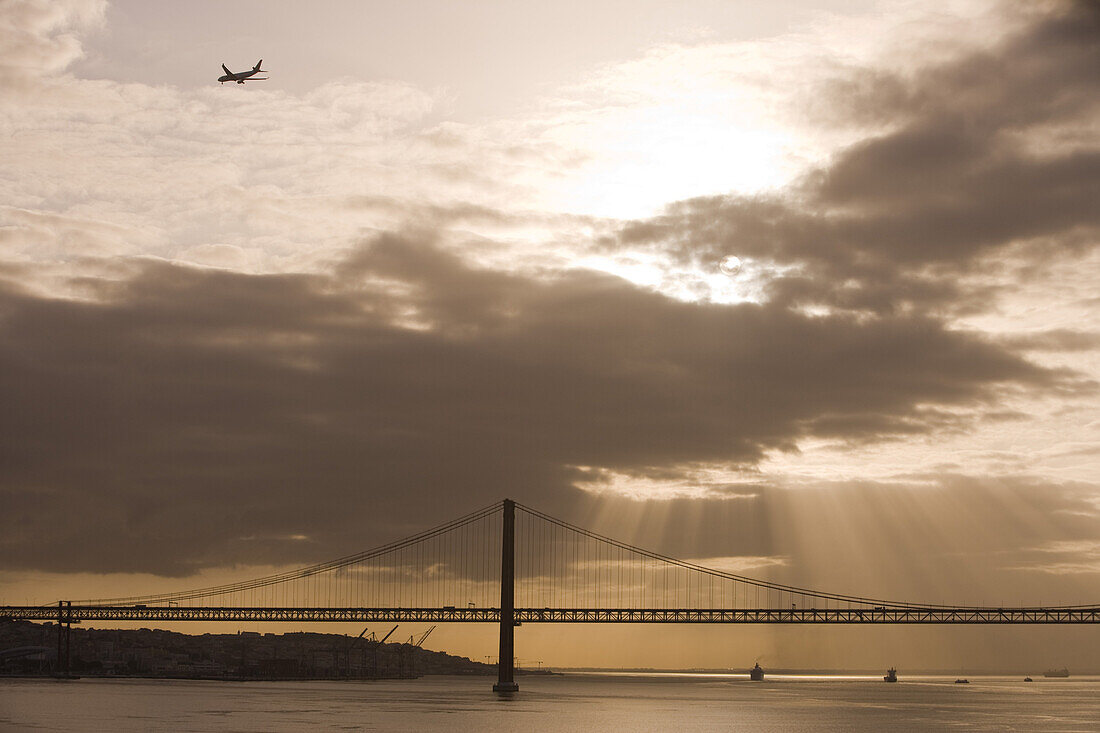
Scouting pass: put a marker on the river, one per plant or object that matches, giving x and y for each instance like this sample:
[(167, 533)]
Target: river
[(573, 702)]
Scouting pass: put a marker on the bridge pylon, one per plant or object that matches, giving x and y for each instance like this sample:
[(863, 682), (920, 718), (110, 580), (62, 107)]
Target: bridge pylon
[(506, 660), (64, 640)]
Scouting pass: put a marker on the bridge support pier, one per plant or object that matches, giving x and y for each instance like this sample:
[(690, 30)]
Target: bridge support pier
[(64, 640), (505, 662)]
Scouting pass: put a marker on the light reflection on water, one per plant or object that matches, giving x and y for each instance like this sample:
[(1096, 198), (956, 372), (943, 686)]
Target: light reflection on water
[(684, 702), (741, 676)]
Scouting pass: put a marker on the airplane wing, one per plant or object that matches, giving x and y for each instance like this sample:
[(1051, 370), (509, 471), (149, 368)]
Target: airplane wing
[(257, 78), (226, 70)]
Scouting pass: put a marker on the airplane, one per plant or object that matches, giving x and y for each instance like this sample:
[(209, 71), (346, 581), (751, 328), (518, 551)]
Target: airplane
[(242, 76)]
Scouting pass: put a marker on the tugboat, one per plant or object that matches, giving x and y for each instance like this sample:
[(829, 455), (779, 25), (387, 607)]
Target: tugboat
[(756, 674), (891, 675), (1028, 679)]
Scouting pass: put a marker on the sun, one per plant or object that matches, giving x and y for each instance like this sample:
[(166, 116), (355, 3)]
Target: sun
[(641, 168)]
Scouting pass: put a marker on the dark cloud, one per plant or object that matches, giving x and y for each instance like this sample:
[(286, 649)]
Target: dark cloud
[(179, 410), (984, 153)]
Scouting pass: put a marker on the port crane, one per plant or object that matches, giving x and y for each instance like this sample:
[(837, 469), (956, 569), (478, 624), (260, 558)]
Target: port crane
[(376, 644), (419, 641), (409, 647)]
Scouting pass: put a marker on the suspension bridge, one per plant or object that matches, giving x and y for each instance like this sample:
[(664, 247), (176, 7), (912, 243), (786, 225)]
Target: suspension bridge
[(510, 564)]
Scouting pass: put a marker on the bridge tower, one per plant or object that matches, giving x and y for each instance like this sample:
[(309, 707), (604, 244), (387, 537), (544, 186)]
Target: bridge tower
[(64, 640), (505, 662)]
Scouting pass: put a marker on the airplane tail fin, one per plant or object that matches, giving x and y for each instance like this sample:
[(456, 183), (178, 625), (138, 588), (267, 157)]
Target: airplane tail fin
[(258, 65)]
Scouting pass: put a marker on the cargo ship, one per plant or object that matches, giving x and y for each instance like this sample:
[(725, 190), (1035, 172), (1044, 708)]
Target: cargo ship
[(891, 675), (756, 673), (1063, 672)]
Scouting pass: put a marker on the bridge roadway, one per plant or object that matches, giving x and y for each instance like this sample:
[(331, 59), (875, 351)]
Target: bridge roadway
[(876, 615)]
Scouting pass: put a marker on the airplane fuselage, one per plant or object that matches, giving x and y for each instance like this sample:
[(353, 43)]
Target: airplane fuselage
[(240, 76)]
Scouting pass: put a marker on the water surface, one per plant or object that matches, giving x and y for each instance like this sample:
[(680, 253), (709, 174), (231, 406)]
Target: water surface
[(575, 702)]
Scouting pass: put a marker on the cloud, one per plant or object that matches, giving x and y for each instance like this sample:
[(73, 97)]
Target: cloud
[(1059, 339), (93, 167), (943, 536), (1063, 557), (196, 406), (37, 38), (978, 160)]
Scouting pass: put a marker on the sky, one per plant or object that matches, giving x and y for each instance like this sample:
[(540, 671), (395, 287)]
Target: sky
[(808, 284)]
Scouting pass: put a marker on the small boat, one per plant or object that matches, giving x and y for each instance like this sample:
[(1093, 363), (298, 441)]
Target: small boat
[(962, 681), (1063, 672), (891, 675), (756, 673), (1028, 679)]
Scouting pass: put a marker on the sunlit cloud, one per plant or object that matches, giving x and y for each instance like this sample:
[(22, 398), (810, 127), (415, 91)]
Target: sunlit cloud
[(1064, 557), (668, 483)]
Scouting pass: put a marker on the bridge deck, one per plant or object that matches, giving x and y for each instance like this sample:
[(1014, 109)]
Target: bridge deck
[(879, 615)]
